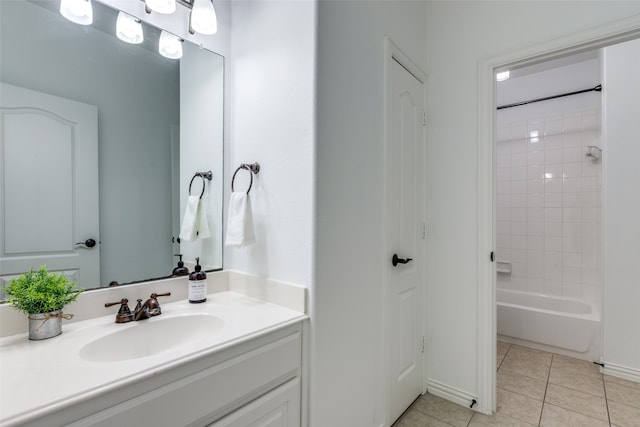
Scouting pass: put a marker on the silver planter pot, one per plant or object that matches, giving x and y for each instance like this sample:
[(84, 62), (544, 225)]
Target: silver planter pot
[(45, 325)]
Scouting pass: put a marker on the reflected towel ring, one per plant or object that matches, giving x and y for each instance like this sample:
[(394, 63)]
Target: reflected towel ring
[(253, 168), (204, 175)]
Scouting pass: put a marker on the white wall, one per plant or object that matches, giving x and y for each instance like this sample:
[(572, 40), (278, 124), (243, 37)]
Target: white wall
[(272, 97), (622, 209), (459, 35), (347, 382)]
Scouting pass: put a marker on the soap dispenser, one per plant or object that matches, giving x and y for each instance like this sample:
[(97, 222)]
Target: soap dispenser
[(198, 284), (180, 270)]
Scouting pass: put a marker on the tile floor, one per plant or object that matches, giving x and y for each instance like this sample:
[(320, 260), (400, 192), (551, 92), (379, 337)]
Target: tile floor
[(536, 388)]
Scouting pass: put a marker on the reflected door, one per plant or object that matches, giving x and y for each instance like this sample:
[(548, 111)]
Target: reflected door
[(49, 210), (405, 189)]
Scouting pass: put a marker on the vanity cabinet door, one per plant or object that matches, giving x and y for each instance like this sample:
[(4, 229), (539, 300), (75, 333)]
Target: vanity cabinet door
[(278, 408)]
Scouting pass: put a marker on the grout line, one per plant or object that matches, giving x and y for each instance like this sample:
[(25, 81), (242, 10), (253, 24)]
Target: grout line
[(504, 357), (579, 413), (545, 390), (606, 400)]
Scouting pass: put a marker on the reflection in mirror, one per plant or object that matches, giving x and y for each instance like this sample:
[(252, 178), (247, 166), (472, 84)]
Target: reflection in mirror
[(100, 140)]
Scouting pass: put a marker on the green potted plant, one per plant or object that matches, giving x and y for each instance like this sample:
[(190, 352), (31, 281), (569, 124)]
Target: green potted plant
[(42, 296)]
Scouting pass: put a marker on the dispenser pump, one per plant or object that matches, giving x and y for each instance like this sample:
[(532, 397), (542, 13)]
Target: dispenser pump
[(180, 270)]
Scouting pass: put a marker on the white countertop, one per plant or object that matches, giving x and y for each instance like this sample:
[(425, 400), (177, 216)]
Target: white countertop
[(37, 377)]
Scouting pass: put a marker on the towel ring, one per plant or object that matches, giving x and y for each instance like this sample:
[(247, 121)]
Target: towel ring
[(204, 175), (252, 168)]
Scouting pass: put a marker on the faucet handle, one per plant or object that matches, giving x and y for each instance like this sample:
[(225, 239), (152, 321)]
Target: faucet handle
[(154, 305), (124, 314), (154, 295)]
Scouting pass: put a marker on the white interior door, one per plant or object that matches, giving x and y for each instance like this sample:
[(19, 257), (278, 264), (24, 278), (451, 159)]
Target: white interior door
[(405, 198), (48, 185)]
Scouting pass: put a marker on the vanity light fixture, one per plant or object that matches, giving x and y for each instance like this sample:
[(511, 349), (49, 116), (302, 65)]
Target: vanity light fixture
[(161, 6), (78, 11), (203, 18), (129, 29), (170, 46)]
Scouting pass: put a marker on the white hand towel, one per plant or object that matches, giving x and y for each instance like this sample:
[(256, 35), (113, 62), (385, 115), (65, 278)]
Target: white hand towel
[(240, 221), (195, 224), (190, 221)]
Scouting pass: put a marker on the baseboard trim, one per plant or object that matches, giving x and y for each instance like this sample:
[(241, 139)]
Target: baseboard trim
[(619, 371), (450, 393)]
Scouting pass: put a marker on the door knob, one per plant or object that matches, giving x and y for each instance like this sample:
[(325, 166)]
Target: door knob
[(395, 260), (89, 243)]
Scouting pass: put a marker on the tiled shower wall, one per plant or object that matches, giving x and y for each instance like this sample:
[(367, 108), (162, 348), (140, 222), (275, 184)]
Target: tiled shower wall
[(549, 209)]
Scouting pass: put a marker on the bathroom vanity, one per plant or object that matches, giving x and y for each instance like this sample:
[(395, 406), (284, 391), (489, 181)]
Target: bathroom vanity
[(232, 361)]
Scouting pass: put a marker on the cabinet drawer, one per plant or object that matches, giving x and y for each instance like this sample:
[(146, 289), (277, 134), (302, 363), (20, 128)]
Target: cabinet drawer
[(278, 408), (210, 393)]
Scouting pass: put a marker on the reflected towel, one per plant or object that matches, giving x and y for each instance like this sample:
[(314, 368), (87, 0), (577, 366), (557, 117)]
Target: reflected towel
[(202, 231), (194, 224), (240, 221)]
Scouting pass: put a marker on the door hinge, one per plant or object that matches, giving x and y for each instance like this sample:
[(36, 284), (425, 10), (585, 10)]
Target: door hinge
[(423, 345), (424, 230), (424, 118), (492, 256)]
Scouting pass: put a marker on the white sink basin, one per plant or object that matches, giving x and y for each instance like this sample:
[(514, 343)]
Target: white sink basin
[(150, 337)]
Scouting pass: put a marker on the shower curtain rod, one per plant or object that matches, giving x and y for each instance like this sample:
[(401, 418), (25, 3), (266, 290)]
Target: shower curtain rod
[(546, 98)]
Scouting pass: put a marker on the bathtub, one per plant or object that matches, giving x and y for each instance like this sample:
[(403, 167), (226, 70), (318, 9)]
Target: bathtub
[(561, 325)]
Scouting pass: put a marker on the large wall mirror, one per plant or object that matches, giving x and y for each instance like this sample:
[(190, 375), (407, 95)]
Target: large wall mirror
[(100, 140)]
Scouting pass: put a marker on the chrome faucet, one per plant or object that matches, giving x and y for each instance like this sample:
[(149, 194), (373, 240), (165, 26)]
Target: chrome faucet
[(149, 308)]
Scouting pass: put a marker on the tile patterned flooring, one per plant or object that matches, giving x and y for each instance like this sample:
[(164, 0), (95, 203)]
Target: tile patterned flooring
[(536, 388)]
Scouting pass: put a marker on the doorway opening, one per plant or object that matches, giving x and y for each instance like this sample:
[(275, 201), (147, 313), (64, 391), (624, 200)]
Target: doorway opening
[(487, 183), (549, 206)]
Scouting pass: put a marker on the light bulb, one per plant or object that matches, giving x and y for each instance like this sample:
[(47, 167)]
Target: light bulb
[(162, 6), (500, 77), (170, 46), (78, 11), (129, 29), (203, 17)]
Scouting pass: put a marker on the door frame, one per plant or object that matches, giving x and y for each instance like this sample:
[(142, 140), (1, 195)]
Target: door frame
[(393, 53), (595, 38)]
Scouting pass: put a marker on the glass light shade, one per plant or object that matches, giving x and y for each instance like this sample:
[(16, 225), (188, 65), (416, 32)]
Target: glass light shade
[(170, 46), (78, 11), (129, 29), (203, 17), (162, 6)]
